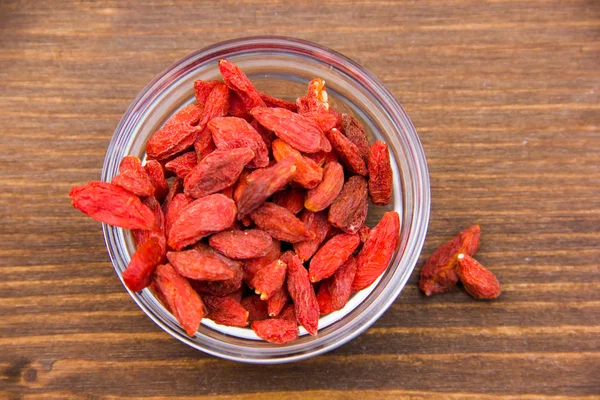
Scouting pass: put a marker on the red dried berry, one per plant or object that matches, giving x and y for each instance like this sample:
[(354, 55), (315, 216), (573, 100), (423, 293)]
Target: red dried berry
[(349, 210), (174, 209), (271, 101), (112, 205), (252, 266), (133, 177), (202, 90), (267, 182), (201, 264), (177, 134), (308, 173), (221, 288), (289, 314), (183, 164), (316, 223), (324, 299), (184, 302), (292, 199), (257, 309), (377, 252), (174, 190), (242, 245), (147, 257), (277, 301), (438, 274), (348, 153), (268, 280), (380, 174), (329, 188), (300, 132), (215, 172), (217, 105), (356, 134), (239, 82), (206, 215), (204, 145), (276, 330), (233, 133), (157, 176), (478, 281), (142, 235), (340, 284), (225, 310), (303, 295), (332, 255), (280, 223)]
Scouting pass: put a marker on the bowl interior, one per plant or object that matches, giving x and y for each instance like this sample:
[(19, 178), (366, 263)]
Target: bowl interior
[(285, 72)]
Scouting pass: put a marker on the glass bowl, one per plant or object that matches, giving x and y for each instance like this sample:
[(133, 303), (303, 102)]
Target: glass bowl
[(282, 67)]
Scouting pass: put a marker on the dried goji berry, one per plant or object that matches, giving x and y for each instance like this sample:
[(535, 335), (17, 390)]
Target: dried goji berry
[(267, 136), (292, 199), (206, 215), (221, 288), (236, 106), (225, 310), (324, 120), (215, 172), (324, 299), (239, 82), (380, 174), (280, 223), (178, 134), (377, 252), (159, 296), (349, 210), (277, 301), (438, 274), (144, 261), (316, 223), (308, 173), (276, 330), (478, 281), (356, 134), (232, 133), (202, 90), (316, 97), (242, 245), (363, 233), (174, 208), (271, 101), (257, 309), (217, 105), (133, 177), (267, 182), (252, 266), (348, 153), (204, 145), (340, 284), (332, 255), (303, 295), (200, 263), (300, 132), (157, 176), (158, 232), (302, 105), (174, 190), (184, 302), (183, 164), (112, 205), (329, 188), (269, 279), (289, 314)]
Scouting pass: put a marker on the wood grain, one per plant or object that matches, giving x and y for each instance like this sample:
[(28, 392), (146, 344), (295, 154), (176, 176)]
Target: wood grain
[(505, 96)]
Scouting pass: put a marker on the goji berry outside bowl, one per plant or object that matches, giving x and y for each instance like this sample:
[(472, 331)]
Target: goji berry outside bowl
[(282, 67)]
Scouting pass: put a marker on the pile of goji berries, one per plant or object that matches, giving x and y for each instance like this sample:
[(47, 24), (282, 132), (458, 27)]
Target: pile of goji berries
[(264, 220), (452, 262)]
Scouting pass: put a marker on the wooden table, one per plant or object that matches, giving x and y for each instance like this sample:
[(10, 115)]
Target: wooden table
[(505, 96)]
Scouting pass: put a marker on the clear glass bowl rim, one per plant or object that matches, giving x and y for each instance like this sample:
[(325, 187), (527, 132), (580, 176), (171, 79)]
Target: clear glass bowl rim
[(419, 178)]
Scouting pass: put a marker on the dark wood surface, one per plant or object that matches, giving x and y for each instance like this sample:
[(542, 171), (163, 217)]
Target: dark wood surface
[(505, 96)]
